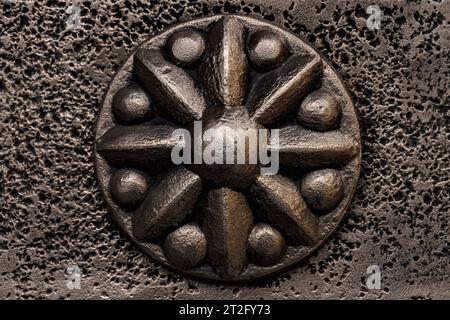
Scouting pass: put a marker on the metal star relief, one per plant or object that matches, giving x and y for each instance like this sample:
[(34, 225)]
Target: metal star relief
[(227, 222)]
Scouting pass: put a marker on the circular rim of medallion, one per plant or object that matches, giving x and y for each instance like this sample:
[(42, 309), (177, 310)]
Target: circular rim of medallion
[(325, 223)]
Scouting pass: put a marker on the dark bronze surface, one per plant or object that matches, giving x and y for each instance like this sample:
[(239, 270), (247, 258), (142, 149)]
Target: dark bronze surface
[(53, 216), (227, 221)]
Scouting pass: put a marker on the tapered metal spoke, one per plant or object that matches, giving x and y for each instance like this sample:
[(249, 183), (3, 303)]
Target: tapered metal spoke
[(224, 69), (299, 147), (227, 224), (171, 85), (284, 207), (138, 144), (278, 92), (167, 204)]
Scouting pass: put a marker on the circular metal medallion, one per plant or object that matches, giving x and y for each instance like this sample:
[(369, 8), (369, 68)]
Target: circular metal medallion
[(227, 221)]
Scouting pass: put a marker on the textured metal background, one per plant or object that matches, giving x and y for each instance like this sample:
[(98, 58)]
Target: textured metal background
[(52, 215)]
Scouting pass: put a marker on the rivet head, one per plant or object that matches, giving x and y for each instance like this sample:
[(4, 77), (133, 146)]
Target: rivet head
[(267, 50), (185, 247), (266, 245), (320, 111), (131, 104), (322, 189), (128, 187), (185, 47)]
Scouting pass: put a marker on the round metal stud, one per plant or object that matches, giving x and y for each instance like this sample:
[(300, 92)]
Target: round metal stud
[(131, 104), (128, 187), (320, 111), (185, 247), (322, 189), (266, 246), (234, 176), (185, 47), (267, 50)]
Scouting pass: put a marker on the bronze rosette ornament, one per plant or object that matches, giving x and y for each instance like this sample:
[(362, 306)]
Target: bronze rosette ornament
[(227, 222)]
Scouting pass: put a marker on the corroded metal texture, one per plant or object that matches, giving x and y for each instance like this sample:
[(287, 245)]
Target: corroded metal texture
[(228, 222), (52, 215)]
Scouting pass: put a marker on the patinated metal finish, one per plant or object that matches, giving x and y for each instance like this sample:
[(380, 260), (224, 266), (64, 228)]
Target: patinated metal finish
[(227, 222)]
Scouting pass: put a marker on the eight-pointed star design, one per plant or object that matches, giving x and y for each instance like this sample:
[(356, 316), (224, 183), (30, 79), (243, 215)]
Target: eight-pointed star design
[(242, 73)]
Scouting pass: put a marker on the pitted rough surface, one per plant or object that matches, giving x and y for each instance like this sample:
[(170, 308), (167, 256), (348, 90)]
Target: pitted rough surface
[(52, 215)]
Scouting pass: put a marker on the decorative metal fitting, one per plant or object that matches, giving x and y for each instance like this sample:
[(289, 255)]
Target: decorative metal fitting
[(227, 222)]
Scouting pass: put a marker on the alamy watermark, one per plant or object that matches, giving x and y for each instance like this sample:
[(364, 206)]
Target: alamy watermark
[(226, 145), (374, 20), (73, 277), (373, 281), (74, 20)]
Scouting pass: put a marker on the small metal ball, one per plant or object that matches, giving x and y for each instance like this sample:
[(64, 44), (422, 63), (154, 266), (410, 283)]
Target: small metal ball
[(131, 104), (266, 246), (128, 187), (320, 111), (185, 247), (322, 189), (185, 47), (267, 50)]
